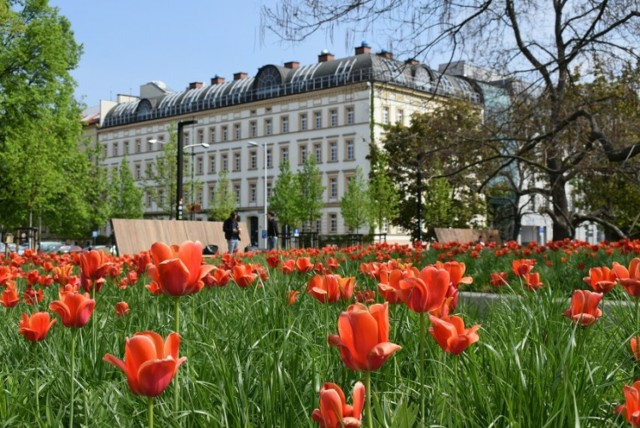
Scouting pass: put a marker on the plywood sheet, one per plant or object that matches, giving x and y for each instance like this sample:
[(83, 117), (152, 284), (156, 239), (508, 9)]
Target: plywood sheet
[(466, 235)]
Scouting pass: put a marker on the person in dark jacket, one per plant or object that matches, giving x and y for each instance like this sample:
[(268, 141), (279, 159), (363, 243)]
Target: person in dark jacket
[(272, 231), (231, 232)]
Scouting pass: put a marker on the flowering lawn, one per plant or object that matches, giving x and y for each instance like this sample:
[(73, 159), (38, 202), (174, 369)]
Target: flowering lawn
[(375, 336)]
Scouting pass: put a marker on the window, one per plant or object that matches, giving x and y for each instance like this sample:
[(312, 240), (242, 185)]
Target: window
[(351, 115), (199, 196), (211, 193), (269, 190), (186, 138), (236, 190), (199, 165), (253, 159), (149, 199), (253, 129), (137, 171), (104, 150), (212, 135), (284, 124), (225, 133), (224, 158), (126, 148), (333, 114), (200, 136), (284, 154), (115, 149), (333, 187), (160, 197), (385, 115), (253, 192), (302, 150), (237, 131), (333, 223), (212, 164), (333, 151), (138, 145), (269, 159), (237, 161), (148, 170), (317, 119), (268, 127), (400, 117), (317, 151), (350, 150), (304, 125), (150, 145)]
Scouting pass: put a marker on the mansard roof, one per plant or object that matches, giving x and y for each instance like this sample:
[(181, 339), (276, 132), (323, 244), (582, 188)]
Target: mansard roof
[(273, 81)]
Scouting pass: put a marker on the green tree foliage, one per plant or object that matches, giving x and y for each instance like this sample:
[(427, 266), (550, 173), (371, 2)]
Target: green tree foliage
[(310, 189), (41, 164), (424, 153), (224, 199), (355, 205), (126, 197), (284, 197), (383, 193), (162, 176)]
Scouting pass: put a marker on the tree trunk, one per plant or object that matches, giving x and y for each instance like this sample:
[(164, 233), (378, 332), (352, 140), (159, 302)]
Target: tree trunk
[(561, 226)]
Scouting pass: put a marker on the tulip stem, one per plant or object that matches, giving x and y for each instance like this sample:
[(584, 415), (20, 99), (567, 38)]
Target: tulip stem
[(93, 321), (176, 391), (150, 411), (73, 372), (369, 393), (37, 381), (421, 351)]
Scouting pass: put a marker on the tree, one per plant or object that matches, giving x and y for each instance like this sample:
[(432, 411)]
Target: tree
[(383, 190), (284, 198), (538, 46), (355, 205), (126, 197), (162, 176), (224, 199), (39, 120), (310, 188)]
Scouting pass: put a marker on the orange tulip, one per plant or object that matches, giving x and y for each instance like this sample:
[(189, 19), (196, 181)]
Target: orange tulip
[(451, 335), (10, 297), (74, 308), (601, 279), (94, 266), (243, 275), (634, 342), (631, 408), (292, 295), (334, 412), (363, 336), (331, 288), (36, 327), (122, 309), (304, 265), (426, 291), (522, 267), (288, 266), (584, 307), (532, 281), (217, 278), (389, 286), (456, 271), (177, 271), (62, 273), (629, 278), (149, 363)]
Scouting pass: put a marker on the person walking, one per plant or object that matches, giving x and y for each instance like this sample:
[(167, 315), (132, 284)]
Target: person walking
[(272, 231), (231, 232)]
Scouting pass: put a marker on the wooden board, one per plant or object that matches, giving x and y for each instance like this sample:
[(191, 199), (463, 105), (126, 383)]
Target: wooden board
[(466, 235), (133, 236)]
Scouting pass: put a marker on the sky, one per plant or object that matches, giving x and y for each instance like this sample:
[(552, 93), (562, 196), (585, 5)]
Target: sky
[(128, 43)]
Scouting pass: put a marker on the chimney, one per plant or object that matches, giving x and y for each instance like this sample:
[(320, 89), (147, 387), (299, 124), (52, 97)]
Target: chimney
[(240, 75), (325, 56), (385, 54), (364, 48), (195, 85), (217, 80), (292, 64), (412, 61)]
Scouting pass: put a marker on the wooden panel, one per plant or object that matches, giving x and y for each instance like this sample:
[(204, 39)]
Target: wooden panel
[(133, 236), (466, 235)]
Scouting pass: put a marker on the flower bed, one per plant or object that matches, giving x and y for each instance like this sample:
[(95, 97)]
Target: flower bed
[(257, 332)]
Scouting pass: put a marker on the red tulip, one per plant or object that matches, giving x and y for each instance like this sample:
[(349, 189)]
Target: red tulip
[(177, 271), (243, 275), (10, 296), (217, 278), (74, 308), (149, 363), (389, 286), (634, 342), (601, 279), (426, 291), (334, 412), (363, 336), (451, 335), (36, 327), (522, 267), (631, 408), (292, 295), (532, 281), (498, 279), (584, 307), (331, 288), (94, 266), (122, 309), (304, 265), (629, 279), (456, 271)]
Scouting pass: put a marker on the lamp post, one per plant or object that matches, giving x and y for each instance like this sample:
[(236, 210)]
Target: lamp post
[(193, 184), (180, 158), (264, 146)]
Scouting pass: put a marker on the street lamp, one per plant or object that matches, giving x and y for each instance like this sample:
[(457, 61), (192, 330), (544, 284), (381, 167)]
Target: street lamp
[(193, 183), (264, 146)]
